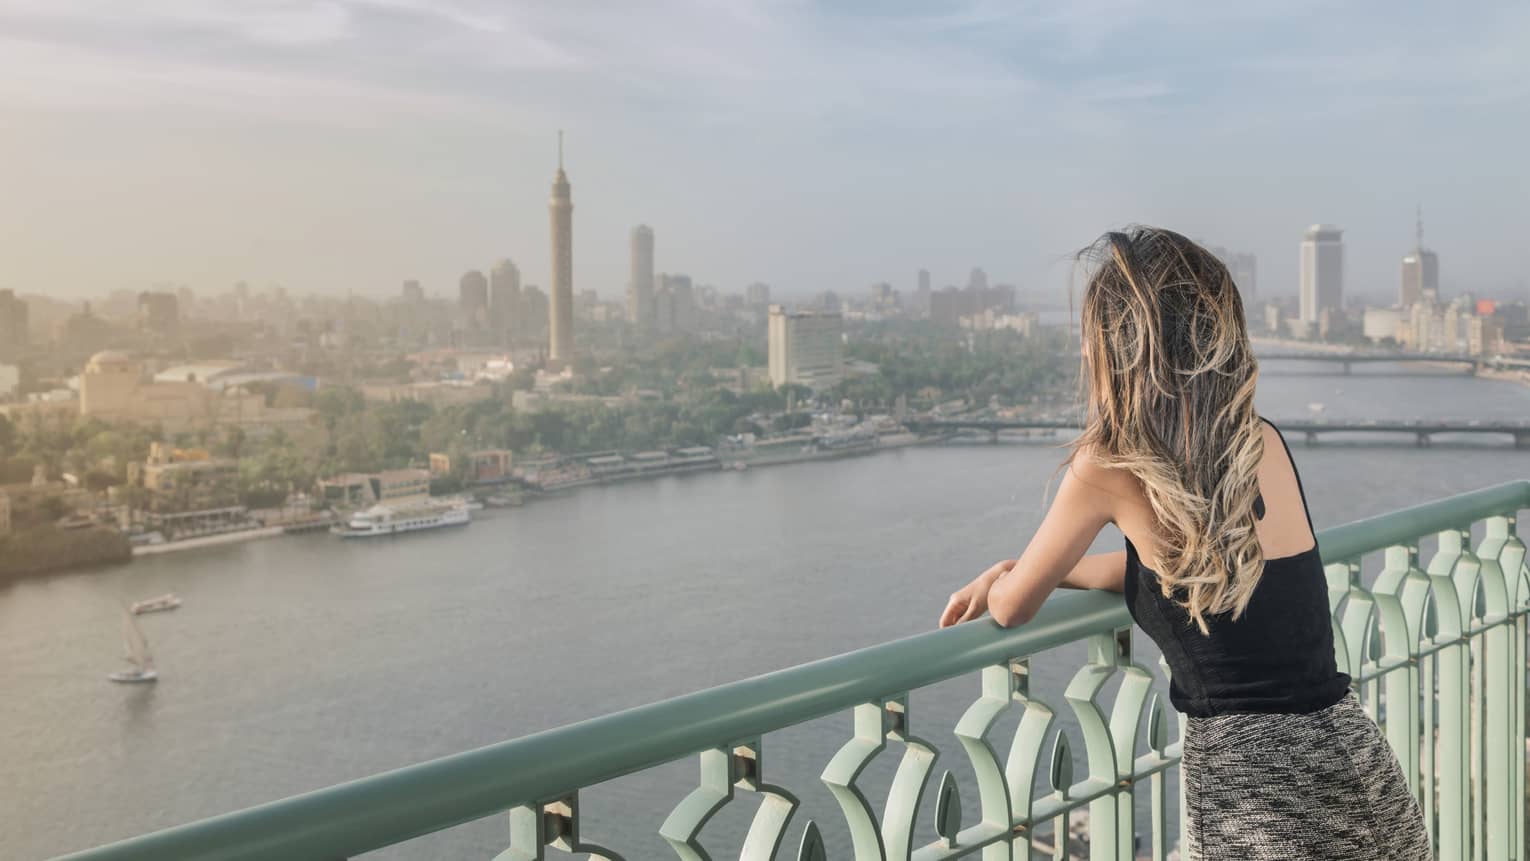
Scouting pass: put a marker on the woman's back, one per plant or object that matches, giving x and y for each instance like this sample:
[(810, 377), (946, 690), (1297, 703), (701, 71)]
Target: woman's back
[(1278, 655)]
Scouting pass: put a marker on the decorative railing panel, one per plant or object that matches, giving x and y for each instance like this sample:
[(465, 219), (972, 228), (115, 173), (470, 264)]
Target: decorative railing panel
[(1437, 652)]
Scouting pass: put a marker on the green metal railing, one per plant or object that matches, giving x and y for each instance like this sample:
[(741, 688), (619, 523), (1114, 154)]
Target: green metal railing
[(1437, 653)]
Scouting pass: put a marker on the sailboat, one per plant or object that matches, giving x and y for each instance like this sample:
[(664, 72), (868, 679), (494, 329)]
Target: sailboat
[(137, 654)]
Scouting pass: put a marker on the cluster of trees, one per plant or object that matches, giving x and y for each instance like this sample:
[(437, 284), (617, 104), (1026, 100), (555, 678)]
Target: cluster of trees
[(933, 367), (95, 451), (691, 407)]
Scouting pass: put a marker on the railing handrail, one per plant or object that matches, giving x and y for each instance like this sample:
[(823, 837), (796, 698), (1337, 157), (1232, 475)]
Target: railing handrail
[(369, 813)]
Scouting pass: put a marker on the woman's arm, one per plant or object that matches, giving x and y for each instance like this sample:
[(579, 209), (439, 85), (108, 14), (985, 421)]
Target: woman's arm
[(1080, 510), (1098, 571)]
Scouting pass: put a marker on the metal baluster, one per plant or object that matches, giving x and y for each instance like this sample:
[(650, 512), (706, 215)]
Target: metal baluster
[(1454, 673), (1401, 625)]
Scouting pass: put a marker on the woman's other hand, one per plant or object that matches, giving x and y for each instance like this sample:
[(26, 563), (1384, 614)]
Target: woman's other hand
[(971, 601)]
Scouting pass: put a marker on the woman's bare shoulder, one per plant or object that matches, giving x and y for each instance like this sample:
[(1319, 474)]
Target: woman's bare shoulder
[(1096, 472)]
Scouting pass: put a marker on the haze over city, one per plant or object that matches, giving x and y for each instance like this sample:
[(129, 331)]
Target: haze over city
[(348, 146)]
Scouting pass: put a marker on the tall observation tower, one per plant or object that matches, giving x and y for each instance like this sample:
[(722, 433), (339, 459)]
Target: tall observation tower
[(560, 211)]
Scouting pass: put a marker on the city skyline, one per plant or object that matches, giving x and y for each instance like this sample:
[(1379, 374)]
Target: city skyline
[(272, 144)]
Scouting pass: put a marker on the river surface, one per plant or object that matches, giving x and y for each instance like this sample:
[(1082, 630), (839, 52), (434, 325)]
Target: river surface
[(300, 662)]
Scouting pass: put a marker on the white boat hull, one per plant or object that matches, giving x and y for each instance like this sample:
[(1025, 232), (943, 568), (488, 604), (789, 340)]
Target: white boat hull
[(381, 520), (135, 677), (156, 605)]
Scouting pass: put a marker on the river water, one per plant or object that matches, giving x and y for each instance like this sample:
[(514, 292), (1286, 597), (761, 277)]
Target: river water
[(299, 662)]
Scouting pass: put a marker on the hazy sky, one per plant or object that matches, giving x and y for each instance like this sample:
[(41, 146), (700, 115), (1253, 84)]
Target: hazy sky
[(351, 144)]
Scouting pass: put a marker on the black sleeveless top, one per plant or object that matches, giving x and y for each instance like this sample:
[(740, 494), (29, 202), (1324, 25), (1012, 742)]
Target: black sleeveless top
[(1277, 657)]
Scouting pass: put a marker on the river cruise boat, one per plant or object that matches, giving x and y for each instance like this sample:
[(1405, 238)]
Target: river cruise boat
[(391, 518)]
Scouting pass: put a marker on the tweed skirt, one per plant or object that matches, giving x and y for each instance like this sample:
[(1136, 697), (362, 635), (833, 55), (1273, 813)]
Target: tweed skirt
[(1322, 786)]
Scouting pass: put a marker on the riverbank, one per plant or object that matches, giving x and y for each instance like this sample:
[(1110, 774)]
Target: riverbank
[(45, 549), (209, 540)]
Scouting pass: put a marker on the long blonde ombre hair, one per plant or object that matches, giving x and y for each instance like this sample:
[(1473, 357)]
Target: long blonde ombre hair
[(1170, 376)]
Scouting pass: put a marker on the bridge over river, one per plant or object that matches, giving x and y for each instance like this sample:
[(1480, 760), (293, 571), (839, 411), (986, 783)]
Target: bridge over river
[(1349, 358), (1423, 431)]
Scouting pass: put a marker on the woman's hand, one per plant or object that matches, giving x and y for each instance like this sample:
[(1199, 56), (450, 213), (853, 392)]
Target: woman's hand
[(971, 601)]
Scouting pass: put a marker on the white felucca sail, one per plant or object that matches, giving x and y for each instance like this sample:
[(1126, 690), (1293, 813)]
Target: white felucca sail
[(137, 653)]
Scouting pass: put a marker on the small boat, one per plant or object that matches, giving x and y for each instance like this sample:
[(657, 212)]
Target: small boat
[(137, 654), (167, 601)]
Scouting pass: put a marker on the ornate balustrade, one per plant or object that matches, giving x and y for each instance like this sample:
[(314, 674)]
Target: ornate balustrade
[(1437, 652)]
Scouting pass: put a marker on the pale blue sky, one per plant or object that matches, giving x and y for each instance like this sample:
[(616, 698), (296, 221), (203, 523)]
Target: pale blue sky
[(351, 144)]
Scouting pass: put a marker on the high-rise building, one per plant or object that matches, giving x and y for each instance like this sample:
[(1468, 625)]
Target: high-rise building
[(663, 308), (1322, 271), (1243, 270), (640, 286), (924, 281), (674, 304), (413, 293), (978, 280), (504, 299), (1484, 336), (560, 322), (682, 302), (757, 294), (159, 313), (473, 299), (1420, 272), (13, 324), (535, 310), (806, 347)]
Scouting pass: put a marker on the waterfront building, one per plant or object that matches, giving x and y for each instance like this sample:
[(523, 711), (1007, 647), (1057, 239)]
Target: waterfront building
[(560, 211), (640, 286), (1484, 335), (189, 493), (1420, 271), (348, 490), (805, 347), (488, 465), (1322, 271), (393, 485), (1381, 324), (1272, 315)]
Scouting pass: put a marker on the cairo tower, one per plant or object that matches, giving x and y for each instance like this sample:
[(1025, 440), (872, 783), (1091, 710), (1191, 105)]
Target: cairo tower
[(560, 209)]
